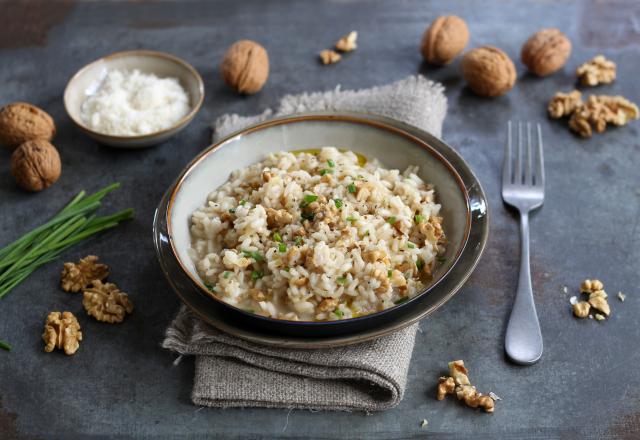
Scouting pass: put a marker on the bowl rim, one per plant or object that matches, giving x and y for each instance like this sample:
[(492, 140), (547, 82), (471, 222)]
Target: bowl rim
[(350, 117), (138, 52)]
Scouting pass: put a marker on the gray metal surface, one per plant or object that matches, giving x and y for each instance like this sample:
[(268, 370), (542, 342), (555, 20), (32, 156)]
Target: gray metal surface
[(122, 383)]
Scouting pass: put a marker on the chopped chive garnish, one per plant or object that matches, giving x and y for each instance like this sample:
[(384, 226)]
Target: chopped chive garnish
[(401, 300), (326, 171), (341, 280), (255, 255), (366, 234), (307, 216), (256, 274), (277, 237), (210, 287), (351, 219), (226, 274), (389, 272), (286, 269), (232, 211), (391, 220), (5, 346), (243, 202), (339, 313), (282, 247), (338, 203), (441, 259), (309, 198), (410, 245), (298, 241), (419, 264), (331, 163), (360, 176), (351, 188), (419, 218)]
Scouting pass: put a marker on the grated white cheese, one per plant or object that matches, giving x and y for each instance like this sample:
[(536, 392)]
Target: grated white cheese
[(131, 103)]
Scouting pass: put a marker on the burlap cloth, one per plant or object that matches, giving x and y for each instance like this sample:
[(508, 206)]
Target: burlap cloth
[(371, 376)]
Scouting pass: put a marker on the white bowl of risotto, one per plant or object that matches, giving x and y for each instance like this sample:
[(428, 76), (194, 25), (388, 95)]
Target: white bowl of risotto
[(318, 219)]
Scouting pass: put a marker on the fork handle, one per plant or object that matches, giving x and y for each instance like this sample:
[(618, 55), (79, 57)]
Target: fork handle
[(523, 340)]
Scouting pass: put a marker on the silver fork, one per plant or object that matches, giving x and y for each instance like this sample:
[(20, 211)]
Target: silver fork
[(523, 188)]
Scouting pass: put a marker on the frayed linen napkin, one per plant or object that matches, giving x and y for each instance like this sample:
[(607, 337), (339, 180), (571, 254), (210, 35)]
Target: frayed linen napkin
[(370, 376)]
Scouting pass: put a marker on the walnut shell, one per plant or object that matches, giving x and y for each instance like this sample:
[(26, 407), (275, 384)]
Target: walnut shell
[(444, 39), (245, 66), (488, 71), (35, 165), (546, 51), (21, 122)]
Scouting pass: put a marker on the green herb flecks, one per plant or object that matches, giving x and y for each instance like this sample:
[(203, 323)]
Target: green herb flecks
[(391, 220), (282, 247), (298, 241), (331, 163), (243, 202), (419, 218), (401, 300), (389, 272), (419, 264), (232, 211), (326, 171), (226, 274), (307, 216), (277, 237), (253, 254), (410, 245), (351, 188), (341, 280), (339, 313), (338, 203), (308, 198), (211, 287), (256, 275)]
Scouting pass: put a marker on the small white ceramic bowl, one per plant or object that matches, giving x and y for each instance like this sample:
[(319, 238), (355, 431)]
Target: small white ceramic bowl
[(87, 80)]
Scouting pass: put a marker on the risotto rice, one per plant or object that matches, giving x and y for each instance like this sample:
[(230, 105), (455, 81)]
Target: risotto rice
[(317, 236)]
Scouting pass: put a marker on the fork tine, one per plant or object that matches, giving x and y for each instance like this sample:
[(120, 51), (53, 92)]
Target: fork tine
[(506, 166), (517, 175), (540, 161), (528, 167)]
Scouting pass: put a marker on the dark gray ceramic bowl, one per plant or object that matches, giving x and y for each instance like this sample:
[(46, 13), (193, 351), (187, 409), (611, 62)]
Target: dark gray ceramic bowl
[(396, 145)]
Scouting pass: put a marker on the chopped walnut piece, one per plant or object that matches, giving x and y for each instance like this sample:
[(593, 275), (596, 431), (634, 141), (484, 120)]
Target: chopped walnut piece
[(348, 42), (278, 218), (62, 331), (446, 385), (257, 295), (599, 111), (329, 56), (76, 277), (599, 70), (299, 282), (581, 309), (459, 373), (106, 302), (328, 305), (458, 384), (375, 255), (600, 303), (588, 286), (267, 175), (564, 104)]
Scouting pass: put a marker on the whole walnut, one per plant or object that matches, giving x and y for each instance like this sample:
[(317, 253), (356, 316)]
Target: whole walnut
[(35, 165), (444, 39), (21, 122), (245, 66), (546, 51), (488, 71)]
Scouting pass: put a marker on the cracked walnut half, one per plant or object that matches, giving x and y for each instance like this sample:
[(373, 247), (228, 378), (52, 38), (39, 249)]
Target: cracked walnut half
[(106, 302), (62, 331), (76, 277)]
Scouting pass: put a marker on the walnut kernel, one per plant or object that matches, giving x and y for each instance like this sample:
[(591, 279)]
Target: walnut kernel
[(35, 165), (446, 385), (597, 71), (328, 56), (348, 42), (62, 331), (21, 122), (76, 277), (546, 51), (488, 71), (564, 104), (458, 383), (599, 111), (106, 302), (581, 309), (245, 67), (444, 39)]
